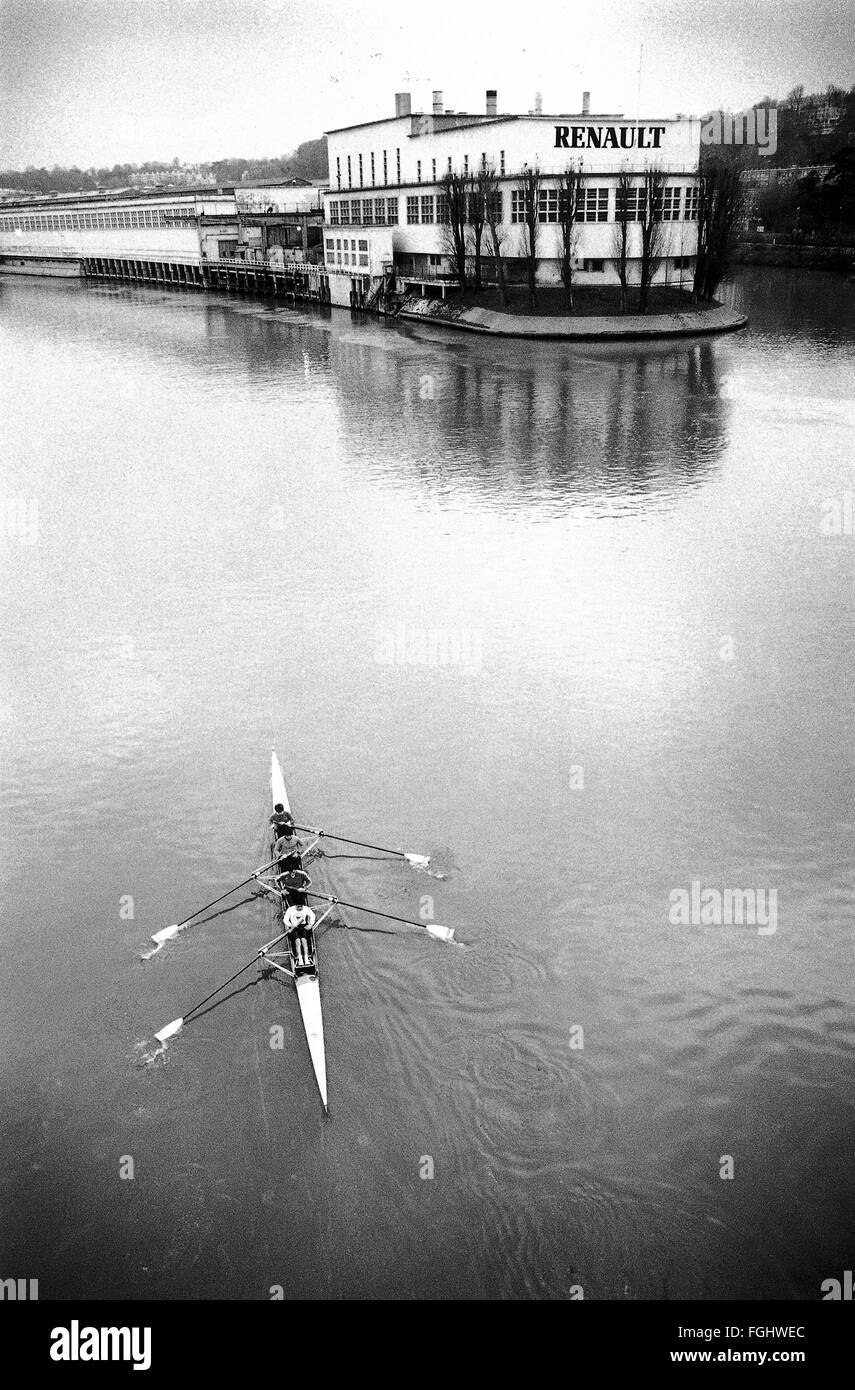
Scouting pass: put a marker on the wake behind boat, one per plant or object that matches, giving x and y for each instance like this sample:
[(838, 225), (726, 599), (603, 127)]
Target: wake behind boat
[(286, 879)]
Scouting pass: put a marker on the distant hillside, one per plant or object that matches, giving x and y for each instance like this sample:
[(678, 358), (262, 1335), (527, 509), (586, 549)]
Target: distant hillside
[(812, 127), (308, 161)]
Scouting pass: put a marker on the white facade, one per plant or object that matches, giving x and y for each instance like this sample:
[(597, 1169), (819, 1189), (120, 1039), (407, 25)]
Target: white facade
[(390, 170), (175, 228)]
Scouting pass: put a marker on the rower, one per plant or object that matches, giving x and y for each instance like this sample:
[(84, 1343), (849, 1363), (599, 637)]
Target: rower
[(280, 819), (294, 882), (287, 847), (299, 922)]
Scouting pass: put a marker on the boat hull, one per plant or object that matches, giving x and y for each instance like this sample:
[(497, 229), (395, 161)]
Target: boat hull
[(305, 980)]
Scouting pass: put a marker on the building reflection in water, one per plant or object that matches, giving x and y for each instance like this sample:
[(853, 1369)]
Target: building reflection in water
[(509, 421)]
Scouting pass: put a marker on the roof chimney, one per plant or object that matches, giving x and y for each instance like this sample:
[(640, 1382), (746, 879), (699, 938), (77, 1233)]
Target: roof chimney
[(403, 104), (538, 103), (437, 103), (586, 103), (492, 101)]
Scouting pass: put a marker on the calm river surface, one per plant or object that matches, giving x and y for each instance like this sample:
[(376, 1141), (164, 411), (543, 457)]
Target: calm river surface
[(226, 526)]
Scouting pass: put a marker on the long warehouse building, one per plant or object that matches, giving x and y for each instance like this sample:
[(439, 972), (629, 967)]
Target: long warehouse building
[(168, 235)]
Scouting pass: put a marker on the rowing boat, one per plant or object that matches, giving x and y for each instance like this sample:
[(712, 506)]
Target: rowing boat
[(305, 977), (304, 973)]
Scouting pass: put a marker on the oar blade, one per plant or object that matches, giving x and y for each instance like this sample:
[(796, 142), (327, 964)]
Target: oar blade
[(418, 861), (170, 1030), (166, 933), (441, 933)]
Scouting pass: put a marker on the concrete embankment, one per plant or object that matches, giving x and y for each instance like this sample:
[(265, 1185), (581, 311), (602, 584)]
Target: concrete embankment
[(718, 319)]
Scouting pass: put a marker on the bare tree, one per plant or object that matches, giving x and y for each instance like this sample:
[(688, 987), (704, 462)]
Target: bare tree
[(625, 200), (477, 218), (496, 233), (570, 189), (529, 194), (652, 236), (453, 200), (719, 206)]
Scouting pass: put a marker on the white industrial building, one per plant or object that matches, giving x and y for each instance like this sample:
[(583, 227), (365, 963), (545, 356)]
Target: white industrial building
[(383, 209), (167, 235)]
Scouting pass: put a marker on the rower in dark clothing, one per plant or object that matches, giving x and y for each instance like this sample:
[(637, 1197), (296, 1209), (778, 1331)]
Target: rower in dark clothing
[(294, 882), (280, 819)]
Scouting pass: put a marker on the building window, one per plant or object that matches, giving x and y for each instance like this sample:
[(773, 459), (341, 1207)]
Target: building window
[(427, 207), (449, 164), (633, 200), (398, 164), (595, 265), (496, 210), (547, 205), (337, 171), (594, 205), (483, 159), (380, 211), (392, 211), (418, 171), (368, 212), (349, 173), (345, 212), (684, 262), (442, 210), (690, 206), (667, 207), (333, 208), (433, 170), (372, 168), (466, 164), (501, 161), (412, 210), (385, 169), (360, 171), (517, 205), (436, 262), (363, 253)]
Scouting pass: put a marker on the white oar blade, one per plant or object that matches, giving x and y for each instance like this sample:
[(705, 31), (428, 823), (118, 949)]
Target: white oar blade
[(441, 933), (170, 1030), (418, 861), (166, 933)]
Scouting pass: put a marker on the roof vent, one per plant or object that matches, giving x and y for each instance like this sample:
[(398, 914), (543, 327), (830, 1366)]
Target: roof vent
[(403, 104)]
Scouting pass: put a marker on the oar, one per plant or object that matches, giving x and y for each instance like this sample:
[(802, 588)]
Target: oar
[(178, 1023), (432, 928), (417, 860), (166, 933)]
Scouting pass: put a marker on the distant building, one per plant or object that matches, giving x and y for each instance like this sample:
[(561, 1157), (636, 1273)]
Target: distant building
[(163, 235), (384, 210)]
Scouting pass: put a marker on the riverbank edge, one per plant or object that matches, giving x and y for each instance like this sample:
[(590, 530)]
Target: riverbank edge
[(493, 323)]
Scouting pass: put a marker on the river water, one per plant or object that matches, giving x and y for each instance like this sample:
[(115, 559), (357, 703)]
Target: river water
[(576, 620)]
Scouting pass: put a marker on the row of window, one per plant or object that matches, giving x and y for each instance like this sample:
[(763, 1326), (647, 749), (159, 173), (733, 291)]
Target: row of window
[(82, 221), (346, 251), (360, 170), (364, 212), (594, 206), (597, 264)]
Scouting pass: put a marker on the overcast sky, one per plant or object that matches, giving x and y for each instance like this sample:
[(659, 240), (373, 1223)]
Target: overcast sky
[(95, 82)]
